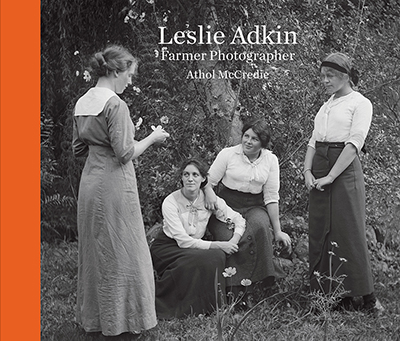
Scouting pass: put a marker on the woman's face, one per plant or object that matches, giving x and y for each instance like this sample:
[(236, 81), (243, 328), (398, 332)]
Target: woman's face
[(334, 81), (124, 79), (191, 178), (251, 143)]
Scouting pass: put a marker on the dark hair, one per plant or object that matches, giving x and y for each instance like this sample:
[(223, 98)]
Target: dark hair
[(260, 127), (200, 165), (344, 62), (113, 58)]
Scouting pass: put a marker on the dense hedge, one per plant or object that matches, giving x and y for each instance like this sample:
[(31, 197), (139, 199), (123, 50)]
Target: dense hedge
[(289, 98)]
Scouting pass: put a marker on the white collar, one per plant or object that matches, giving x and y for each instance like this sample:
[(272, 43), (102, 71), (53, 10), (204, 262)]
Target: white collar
[(92, 103)]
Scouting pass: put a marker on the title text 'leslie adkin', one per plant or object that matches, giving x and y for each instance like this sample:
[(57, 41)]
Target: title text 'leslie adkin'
[(259, 36)]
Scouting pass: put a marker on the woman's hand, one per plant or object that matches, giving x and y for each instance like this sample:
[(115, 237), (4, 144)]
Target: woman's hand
[(159, 134), (321, 182), (210, 200), (309, 180), (282, 237), (228, 247)]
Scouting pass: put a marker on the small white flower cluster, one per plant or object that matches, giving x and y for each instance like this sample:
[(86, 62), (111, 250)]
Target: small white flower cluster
[(139, 123), (231, 271), (133, 14)]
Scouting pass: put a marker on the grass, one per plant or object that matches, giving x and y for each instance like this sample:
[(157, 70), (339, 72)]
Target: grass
[(285, 315)]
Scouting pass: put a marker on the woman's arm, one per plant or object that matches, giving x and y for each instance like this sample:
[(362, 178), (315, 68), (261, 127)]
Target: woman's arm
[(121, 132), (215, 174), (210, 198), (224, 213), (308, 176), (273, 212), (78, 147), (158, 135), (345, 158)]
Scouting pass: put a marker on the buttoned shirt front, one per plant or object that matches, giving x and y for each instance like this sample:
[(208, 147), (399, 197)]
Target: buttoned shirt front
[(345, 119), (235, 170)]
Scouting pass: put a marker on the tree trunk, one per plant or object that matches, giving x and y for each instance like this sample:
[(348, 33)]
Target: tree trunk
[(222, 100)]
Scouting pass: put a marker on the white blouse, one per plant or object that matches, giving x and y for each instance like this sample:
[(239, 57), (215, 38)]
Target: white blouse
[(234, 169), (345, 119), (186, 222)]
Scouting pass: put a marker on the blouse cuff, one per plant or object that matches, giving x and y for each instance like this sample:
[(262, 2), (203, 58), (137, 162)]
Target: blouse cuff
[(270, 201), (355, 143)]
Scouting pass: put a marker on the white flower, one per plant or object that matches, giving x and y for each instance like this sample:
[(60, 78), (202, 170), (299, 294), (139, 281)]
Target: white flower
[(317, 274), (86, 76), (164, 119), (245, 282), (77, 73), (334, 244), (132, 14), (331, 253), (156, 53), (229, 272), (136, 89), (126, 19), (141, 18), (139, 123), (344, 260), (76, 53)]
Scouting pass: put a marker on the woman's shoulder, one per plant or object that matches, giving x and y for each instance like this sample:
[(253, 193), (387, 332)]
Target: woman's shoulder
[(269, 154), (359, 97), (232, 149), (173, 196)]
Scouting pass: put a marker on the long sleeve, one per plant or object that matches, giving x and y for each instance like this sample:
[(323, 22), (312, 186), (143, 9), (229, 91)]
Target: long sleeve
[(121, 129), (224, 212), (173, 226), (79, 148), (361, 122), (218, 167), (271, 187)]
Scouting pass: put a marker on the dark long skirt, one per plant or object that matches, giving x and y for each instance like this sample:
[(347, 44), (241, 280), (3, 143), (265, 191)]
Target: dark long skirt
[(185, 278), (254, 260), (337, 215)]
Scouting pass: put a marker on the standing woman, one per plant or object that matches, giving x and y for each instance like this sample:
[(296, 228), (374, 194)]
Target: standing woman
[(248, 178), (115, 276), (334, 177)]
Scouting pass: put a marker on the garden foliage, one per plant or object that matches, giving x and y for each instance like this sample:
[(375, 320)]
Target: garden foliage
[(195, 112)]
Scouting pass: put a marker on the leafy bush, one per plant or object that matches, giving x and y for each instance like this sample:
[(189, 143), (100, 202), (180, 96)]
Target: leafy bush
[(198, 125)]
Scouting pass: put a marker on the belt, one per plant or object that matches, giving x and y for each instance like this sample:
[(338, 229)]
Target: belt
[(330, 144)]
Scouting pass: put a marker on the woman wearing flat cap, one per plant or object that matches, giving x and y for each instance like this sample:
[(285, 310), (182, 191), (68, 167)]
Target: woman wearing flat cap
[(334, 177)]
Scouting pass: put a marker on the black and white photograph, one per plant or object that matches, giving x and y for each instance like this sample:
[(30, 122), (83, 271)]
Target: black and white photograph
[(219, 170)]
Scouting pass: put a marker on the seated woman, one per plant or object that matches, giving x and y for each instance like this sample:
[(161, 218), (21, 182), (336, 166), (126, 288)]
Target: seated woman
[(249, 176), (185, 264)]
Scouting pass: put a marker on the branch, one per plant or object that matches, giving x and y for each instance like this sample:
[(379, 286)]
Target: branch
[(382, 85)]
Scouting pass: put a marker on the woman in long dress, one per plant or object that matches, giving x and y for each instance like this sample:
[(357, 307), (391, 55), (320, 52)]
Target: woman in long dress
[(186, 265), (115, 277), (247, 176), (334, 177)]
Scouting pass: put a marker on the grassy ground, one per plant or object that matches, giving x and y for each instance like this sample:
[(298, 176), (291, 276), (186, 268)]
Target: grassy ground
[(285, 315)]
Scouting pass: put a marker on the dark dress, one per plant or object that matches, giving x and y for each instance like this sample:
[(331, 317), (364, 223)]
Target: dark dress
[(185, 278), (187, 269), (337, 215), (254, 260)]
